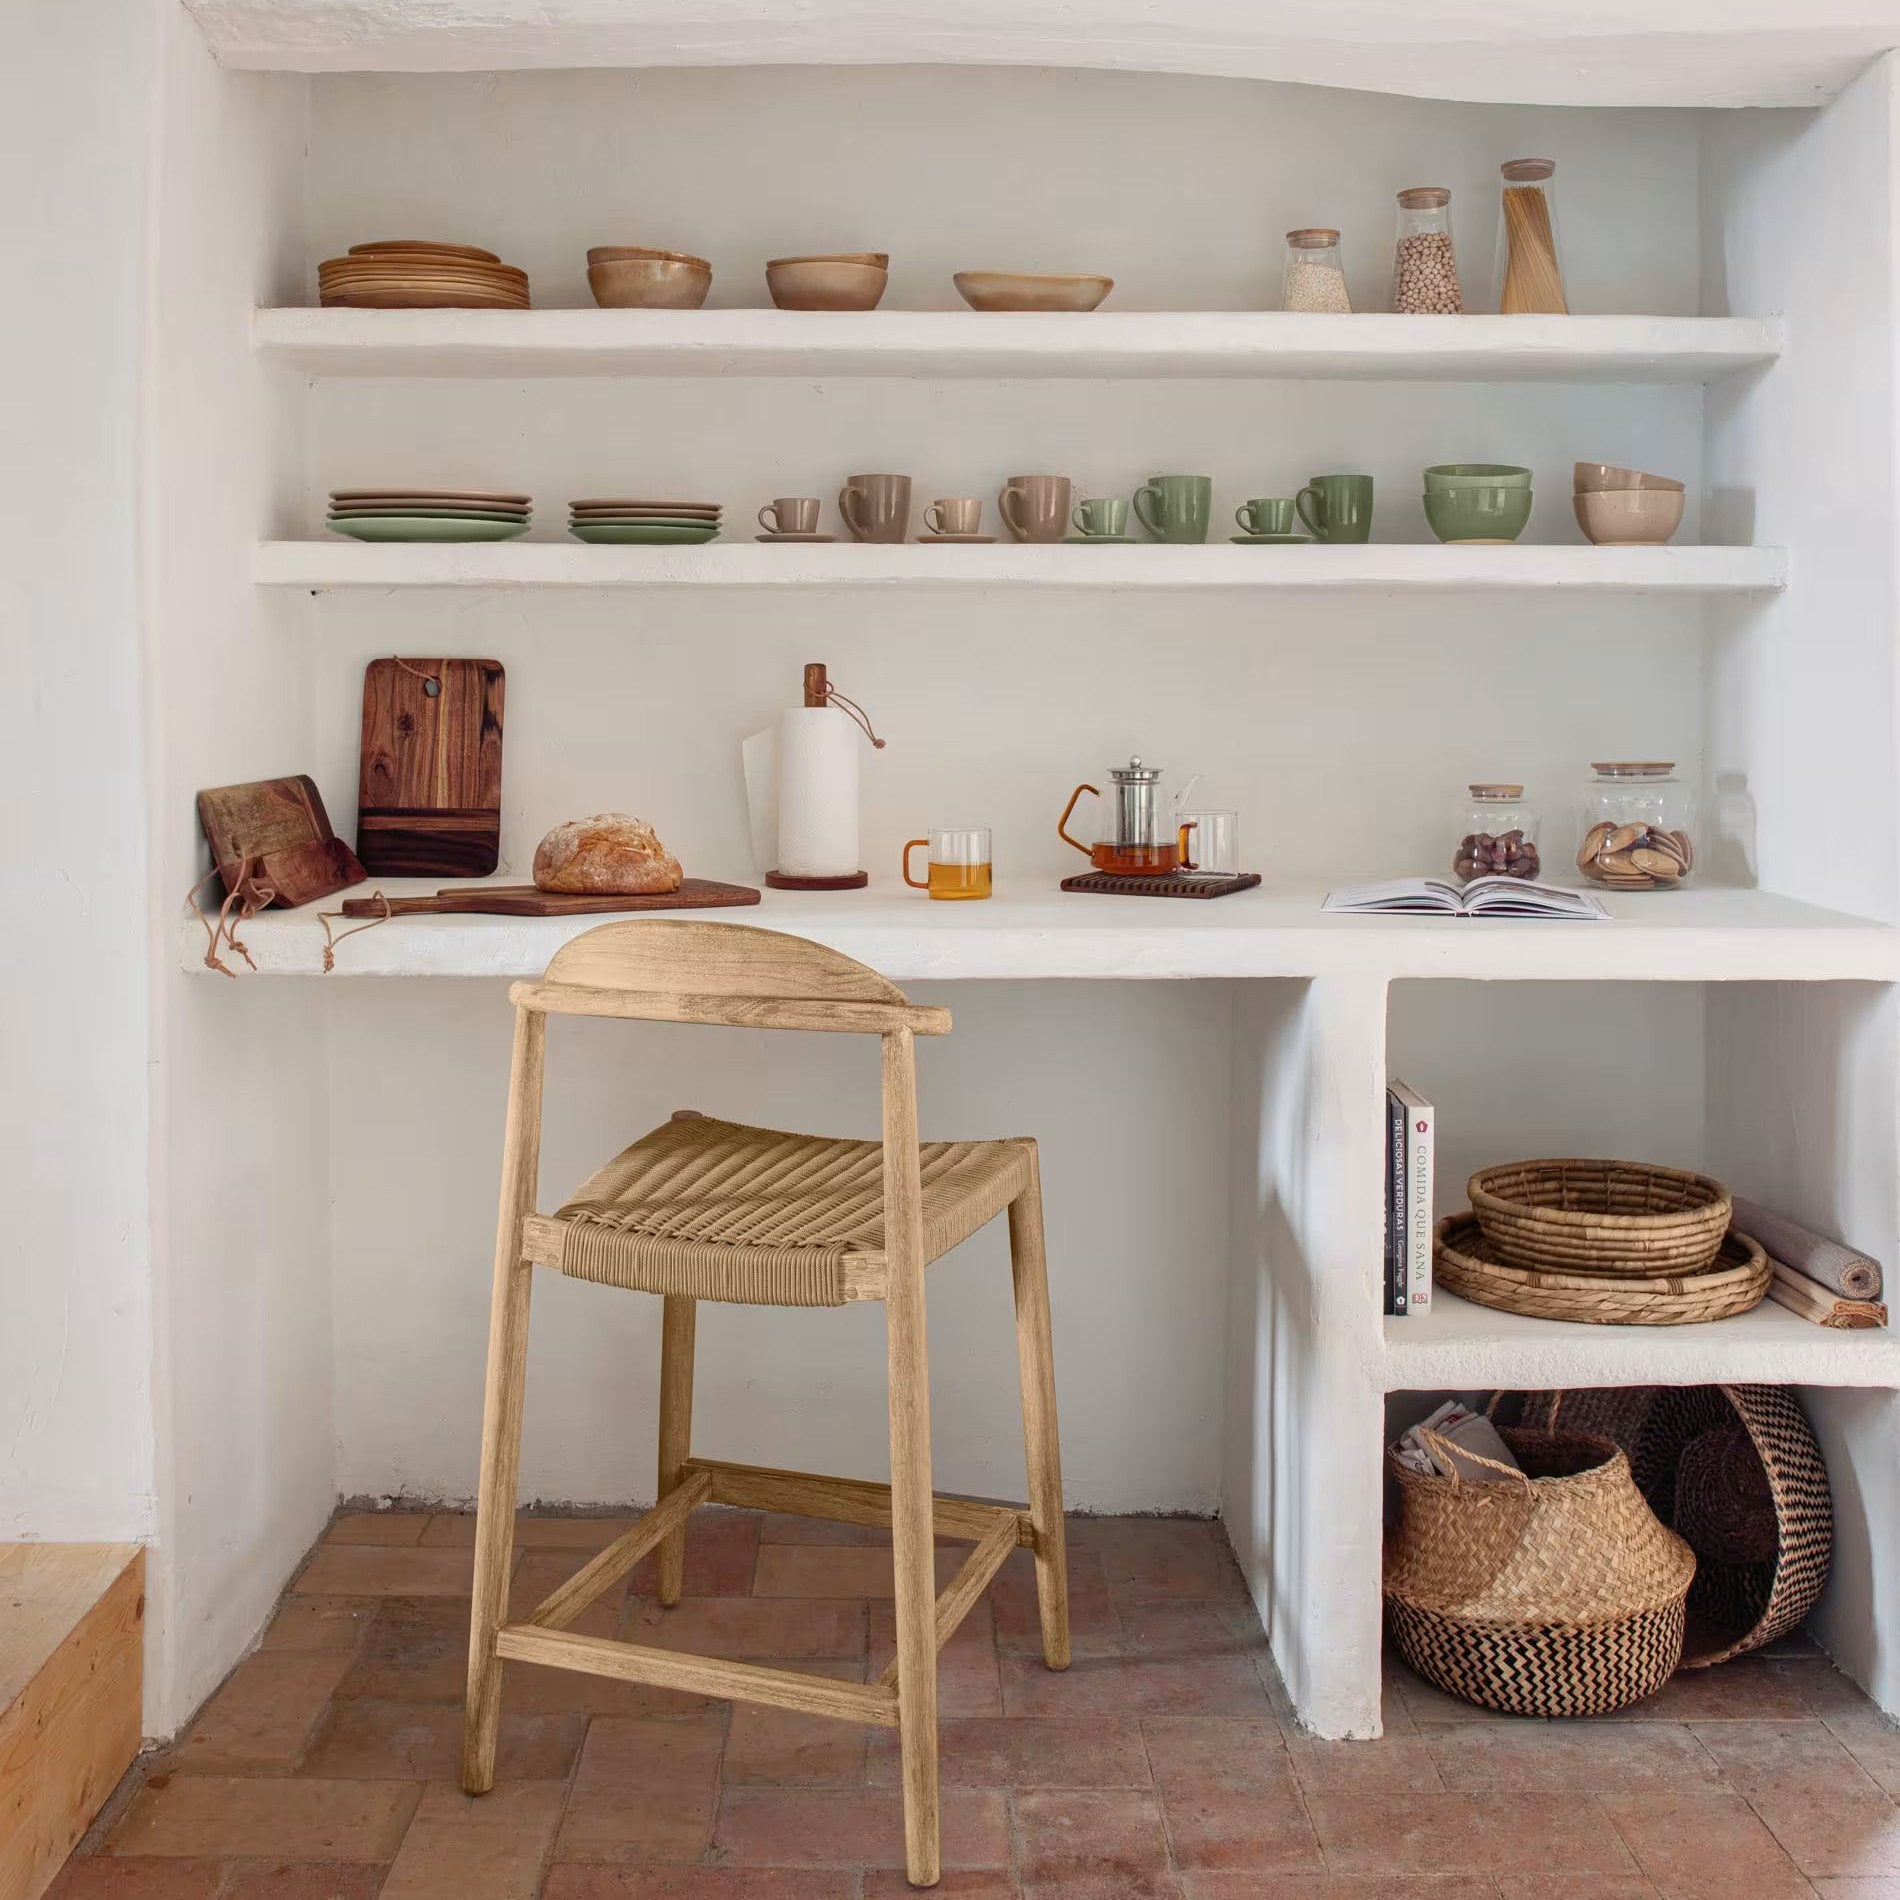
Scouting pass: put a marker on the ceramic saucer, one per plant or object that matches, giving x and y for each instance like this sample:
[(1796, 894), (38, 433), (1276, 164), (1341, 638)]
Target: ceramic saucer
[(968, 540), (794, 537), (1089, 540), (1270, 540)]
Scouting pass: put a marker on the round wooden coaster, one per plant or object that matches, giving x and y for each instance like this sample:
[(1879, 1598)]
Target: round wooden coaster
[(856, 881)]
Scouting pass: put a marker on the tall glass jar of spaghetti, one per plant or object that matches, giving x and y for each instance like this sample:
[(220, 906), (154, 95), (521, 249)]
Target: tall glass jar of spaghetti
[(1530, 274)]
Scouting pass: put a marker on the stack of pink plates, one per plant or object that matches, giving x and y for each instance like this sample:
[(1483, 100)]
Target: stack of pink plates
[(413, 274)]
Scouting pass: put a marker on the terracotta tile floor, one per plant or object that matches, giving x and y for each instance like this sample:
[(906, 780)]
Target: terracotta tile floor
[(1164, 1763)]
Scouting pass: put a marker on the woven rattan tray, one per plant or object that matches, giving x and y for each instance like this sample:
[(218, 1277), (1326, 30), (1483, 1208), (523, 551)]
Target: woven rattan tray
[(1467, 1264), (1618, 1217)]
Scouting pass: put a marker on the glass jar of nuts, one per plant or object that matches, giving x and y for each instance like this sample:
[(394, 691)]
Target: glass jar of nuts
[(1498, 835), (1424, 267), (1637, 826)]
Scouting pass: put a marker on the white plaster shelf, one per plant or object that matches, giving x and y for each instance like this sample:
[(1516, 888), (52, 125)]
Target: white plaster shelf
[(1378, 568), (1456, 1346), (1031, 930), (1560, 52), (964, 343)]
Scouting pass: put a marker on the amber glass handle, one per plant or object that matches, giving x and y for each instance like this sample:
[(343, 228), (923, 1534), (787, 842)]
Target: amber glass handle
[(1187, 863), (916, 883), (1062, 823)]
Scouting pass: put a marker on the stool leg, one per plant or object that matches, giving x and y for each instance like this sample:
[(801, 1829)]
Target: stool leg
[(501, 1408), (1035, 1352), (677, 1327), (913, 1542)]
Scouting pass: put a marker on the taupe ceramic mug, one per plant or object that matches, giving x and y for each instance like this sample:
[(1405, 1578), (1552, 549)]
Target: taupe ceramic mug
[(790, 514), (964, 515), (876, 507), (1036, 507)]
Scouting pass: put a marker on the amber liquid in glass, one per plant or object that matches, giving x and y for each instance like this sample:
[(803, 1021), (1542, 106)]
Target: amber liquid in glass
[(1136, 860), (954, 881)]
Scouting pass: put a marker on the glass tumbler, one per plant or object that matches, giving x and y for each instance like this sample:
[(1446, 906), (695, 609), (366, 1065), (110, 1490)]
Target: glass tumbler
[(1210, 844), (959, 862)]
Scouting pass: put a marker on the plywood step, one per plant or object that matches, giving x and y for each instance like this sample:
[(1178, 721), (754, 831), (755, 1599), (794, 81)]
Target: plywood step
[(72, 1628)]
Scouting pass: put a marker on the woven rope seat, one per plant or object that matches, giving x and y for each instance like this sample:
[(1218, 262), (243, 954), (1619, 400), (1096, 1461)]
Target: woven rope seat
[(716, 1210)]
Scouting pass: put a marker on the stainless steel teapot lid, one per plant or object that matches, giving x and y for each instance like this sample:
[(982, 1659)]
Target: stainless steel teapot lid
[(1134, 772)]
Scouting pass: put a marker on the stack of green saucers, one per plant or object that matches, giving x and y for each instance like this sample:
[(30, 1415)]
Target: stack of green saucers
[(427, 514), (617, 521)]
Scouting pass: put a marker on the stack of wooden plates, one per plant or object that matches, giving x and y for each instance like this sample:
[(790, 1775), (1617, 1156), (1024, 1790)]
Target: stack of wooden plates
[(412, 274), (616, 520), (427, 514)]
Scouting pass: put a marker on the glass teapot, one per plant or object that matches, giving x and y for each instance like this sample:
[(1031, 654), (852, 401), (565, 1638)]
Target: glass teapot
[(1137, 835)]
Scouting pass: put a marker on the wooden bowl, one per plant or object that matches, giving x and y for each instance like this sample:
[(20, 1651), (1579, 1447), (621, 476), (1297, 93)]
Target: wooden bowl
[(625, 253), (1629, 517), (828, 283), (649, 283), (1021, 290), (1595, 477)]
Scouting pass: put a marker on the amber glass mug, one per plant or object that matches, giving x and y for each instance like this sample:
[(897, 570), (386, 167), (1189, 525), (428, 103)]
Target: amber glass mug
[(959, 863)]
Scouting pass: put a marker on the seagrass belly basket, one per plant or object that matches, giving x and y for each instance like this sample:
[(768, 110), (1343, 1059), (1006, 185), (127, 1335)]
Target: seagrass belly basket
[(1553, 1590)]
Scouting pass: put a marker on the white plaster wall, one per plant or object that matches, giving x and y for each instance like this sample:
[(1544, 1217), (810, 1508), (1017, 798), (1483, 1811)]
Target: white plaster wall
[(1124, 1085), (1180, 189), (1801, 688), (246, 1452), (1342, 734), (75, 1306)]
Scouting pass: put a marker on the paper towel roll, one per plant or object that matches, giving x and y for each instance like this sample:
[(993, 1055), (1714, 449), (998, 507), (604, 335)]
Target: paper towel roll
[(817, 793)]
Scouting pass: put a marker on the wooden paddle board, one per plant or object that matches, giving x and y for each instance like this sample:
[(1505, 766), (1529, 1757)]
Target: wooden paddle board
[(523, 900)]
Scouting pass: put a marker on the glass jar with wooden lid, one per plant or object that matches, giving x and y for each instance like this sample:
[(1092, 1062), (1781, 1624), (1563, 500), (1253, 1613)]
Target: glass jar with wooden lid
[(1497, 834), (1424, 267), (1529, 272), (1315, 279), (1637, 826)]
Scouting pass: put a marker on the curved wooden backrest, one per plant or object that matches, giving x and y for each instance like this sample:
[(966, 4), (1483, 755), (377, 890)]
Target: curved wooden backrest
[(686, 957)]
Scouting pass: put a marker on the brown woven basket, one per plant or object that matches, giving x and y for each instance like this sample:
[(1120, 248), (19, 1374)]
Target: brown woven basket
[(1600, 1216), (1552, 1591), (1739, 1473), (1466, 1263)]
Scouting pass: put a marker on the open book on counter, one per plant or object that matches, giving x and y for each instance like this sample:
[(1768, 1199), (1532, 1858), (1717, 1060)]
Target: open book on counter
[(1482, 897)]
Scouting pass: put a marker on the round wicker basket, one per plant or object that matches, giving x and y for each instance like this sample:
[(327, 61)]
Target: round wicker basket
[(1466, 1263), (1550, 1591), (1737, 1470), (1600, 1216)]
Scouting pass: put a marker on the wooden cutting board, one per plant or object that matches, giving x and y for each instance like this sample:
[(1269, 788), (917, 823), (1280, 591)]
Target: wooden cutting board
[(277, 829), (429, 790), (523, 900)]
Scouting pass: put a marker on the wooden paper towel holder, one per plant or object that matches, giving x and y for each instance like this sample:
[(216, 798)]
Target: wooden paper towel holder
[(819, 691)]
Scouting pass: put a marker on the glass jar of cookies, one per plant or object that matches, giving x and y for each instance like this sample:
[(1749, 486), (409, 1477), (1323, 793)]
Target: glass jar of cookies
[(1637, 826), (1497, 834)]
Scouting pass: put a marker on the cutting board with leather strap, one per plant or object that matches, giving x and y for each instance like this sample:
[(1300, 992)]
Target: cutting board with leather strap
[(429, 791), (523, 900)]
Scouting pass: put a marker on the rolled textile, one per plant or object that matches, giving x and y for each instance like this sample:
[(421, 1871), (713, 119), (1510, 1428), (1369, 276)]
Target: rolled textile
[(1822, 1304), (1851, 1274)]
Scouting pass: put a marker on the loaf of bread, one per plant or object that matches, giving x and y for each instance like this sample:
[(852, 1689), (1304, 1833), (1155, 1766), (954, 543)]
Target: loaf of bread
[(608, 855)]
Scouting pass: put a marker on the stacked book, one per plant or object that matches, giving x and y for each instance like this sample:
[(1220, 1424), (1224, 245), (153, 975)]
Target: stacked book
[(1409, 1130)]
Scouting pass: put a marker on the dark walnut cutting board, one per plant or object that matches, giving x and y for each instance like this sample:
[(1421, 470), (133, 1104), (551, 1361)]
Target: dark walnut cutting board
[(523, 900), (429, 791)]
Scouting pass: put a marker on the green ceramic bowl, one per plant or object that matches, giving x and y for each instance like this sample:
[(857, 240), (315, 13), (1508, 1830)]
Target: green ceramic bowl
[(1494, 513), (1470, 474), (425, 528), (645, 533)]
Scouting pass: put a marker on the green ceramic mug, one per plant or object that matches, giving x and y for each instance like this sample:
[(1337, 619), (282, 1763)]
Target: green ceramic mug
[(1265, 515), (1103, 515), (1176, 507), (1341, 507)]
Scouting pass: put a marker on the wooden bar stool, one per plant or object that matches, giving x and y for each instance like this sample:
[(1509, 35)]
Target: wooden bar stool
[(709, 1210)]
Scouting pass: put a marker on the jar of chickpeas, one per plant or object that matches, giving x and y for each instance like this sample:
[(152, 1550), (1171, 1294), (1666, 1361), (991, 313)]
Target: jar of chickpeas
[(1424, 265)]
